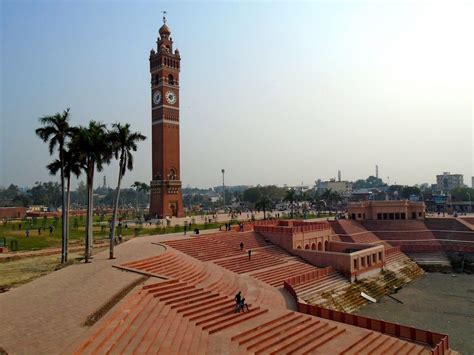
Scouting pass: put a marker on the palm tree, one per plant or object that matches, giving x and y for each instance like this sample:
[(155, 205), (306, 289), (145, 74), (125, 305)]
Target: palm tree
[(94, 151), (56, 130), (124, 142), (291, 198), (72, 166), (264, 203)]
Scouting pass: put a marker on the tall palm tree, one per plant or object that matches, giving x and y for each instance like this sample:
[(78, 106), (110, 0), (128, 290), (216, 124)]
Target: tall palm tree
[(94, 151), (291, 198), (56, 130), (72, 166), (264, 204), (124, 142)]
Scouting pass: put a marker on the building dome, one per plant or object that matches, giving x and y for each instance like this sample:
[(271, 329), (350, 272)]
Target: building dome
[(164, 30)]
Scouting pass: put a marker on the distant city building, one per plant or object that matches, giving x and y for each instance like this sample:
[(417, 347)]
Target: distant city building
[(344, 188), (447, 181), (386, 210)]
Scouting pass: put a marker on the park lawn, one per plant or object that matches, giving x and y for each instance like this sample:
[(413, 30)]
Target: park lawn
[(18, 272), (76, 234)]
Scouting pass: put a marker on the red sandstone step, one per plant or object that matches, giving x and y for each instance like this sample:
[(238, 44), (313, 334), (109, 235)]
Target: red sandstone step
[(140, 333), (361, 343), (192, 304), (283, 271), (203, 342), (185, 346), (160, 284), (266, 346), (116, 317), (320, 341), (184, 294), (252, 313), (223, 318), (187, 302), (252, 332), (159, 294), (228, 307), (183, 337), (279, 331), (172, 320), (152, 332), (385, 348), (127, 335), (196, 311), (174, 336), (313, 331), (170, 286), (114, 335), (196, 294)]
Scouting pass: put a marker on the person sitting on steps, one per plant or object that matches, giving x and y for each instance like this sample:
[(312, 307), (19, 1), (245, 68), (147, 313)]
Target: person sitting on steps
[(243, 304), (238, 301)]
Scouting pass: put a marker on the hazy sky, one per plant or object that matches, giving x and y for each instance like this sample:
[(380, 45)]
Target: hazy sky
[(273, 92)]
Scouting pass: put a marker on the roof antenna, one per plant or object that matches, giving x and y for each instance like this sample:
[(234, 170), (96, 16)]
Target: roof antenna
[(164, 17)]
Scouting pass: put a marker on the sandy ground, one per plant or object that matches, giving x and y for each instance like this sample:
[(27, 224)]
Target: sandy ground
[(438, 302)]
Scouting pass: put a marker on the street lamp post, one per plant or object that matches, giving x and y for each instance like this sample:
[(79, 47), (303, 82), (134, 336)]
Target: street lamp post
[(470, 206), (223, 188)]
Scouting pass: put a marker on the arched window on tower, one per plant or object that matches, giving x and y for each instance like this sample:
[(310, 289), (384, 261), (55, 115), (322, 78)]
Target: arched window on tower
[(170, 79), (172, 175), (157, 79)]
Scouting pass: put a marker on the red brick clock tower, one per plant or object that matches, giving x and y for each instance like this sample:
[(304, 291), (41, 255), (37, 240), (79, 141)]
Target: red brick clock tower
[(166, 199)]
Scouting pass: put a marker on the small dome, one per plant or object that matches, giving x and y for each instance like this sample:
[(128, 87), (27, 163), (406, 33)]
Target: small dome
[(165, 30), (176, 51)]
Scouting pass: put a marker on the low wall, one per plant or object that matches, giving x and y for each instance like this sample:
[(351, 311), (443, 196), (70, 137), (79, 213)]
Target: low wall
[(438, 342), (339, 247), (360, 263)]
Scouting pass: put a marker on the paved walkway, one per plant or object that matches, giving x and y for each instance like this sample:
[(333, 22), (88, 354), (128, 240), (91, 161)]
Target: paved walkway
[(46, 315)]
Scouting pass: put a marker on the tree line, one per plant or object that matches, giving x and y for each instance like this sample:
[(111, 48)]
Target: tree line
[(48, 194), (83, 150)]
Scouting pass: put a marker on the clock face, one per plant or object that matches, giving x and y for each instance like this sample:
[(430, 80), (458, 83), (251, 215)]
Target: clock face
[(156, 97), (170, 97)]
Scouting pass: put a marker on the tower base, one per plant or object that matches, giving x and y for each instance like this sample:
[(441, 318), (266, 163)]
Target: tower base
[(166, 199)]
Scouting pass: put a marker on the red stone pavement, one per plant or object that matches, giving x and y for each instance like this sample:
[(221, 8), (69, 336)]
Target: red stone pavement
[(46, 315)]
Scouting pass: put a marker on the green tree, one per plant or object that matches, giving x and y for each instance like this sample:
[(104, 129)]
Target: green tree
[(95, 152), (56, 131), (291, 197), (462, 194), (124, 142), (264, 204), (72, 166)]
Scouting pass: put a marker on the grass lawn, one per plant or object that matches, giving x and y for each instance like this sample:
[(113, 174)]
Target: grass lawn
[(17, 272), (11, 232)]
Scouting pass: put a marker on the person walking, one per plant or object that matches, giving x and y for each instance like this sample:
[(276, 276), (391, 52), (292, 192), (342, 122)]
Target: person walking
[(27, 233), (241, 246), (250, 253), (238, 300)]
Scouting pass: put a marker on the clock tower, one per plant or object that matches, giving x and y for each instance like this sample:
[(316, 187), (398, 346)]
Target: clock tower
[(166, 199)]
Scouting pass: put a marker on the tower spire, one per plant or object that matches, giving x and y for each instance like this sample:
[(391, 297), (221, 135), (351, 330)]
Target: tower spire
[(164, 17)]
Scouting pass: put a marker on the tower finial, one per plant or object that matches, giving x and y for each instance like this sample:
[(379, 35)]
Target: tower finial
[(164, 17)]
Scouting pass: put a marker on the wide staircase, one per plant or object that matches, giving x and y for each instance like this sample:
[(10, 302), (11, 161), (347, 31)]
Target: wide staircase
[(219, 245), (334, 291), (196, 315), (268, 262), (431, 230), (353, 232), (276, 275)]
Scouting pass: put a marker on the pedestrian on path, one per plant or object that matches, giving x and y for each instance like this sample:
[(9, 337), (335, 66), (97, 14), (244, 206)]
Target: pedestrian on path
[(250, 253), (27, 233), (241, 246)]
